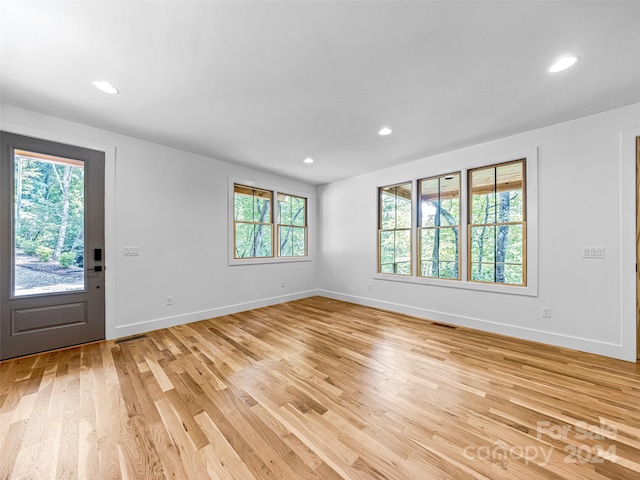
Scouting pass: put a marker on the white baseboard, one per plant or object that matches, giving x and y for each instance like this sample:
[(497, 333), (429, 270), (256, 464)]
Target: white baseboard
[(166, 322), (559, 340)]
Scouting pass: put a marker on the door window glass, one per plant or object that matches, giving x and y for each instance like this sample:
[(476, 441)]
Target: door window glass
[(48, 224)]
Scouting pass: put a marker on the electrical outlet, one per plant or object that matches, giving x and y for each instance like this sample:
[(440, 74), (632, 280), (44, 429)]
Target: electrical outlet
[(283, 284), (369, 287), (546, 312), (169, 301)]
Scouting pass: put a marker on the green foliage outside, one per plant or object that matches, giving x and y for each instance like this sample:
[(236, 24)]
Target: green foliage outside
[(66, 259), (28, 246), (44, 253), (49, 206)]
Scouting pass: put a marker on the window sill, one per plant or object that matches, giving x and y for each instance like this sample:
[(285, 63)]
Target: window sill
[(530, 291), (269, 260)]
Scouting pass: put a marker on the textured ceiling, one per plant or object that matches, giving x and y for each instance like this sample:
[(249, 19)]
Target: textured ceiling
[(269, 83)]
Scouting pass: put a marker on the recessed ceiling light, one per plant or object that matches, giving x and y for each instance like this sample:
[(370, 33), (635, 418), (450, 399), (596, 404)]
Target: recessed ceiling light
[(563, 63), (384, 131), (105, 87), (308, 160)]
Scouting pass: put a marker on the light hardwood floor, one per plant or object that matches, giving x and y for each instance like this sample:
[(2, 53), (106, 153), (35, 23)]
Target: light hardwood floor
[(319, 389)]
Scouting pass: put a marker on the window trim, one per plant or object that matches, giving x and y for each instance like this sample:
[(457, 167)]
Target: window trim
[(259, 185), (531, 176)]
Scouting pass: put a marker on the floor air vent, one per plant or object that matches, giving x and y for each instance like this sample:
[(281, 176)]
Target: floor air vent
[(452, 327), (128, 339)]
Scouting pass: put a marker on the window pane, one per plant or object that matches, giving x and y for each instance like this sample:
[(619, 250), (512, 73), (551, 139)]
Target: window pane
[(253, 240), (439, 252), (515, 243), (428, 268), (263, 241), (298, 211), (483, 244), (448, 244), (429, 214), (395, 224), (430, 196), (251, 204), (386, 268), (299, 246), (427, 242), (253, 215), (48, 224), (513, 274), (284, 205), (448, 270), (404, 211), (509, 243), (286, 241), (244, 240), (403, 268), (440, 201), (483, 199), (387, 247), (395, 203), (498, 201), (388, 210), (483, 272), (292, 241), (243, 207), (403, 246), (262, 209), (509, 180), (450, 199), (292, 210)]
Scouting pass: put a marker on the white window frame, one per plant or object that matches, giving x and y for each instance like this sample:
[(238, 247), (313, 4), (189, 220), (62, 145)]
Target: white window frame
[(531, 289), (232, 181)]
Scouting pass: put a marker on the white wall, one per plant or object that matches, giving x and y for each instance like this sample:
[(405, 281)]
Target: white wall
[(586, 197), (173, 205)]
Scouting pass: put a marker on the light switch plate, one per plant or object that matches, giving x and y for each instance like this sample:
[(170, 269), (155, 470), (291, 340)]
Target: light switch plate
[(131, 251)]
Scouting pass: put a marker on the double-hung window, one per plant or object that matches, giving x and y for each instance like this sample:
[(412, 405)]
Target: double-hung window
[(263, 230), (497, 224), (469, 226), (394, 229), (253, 224), (439, 227), (292, 225)]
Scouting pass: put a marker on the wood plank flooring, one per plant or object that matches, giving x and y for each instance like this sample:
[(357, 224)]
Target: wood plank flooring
[(319, 389)]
